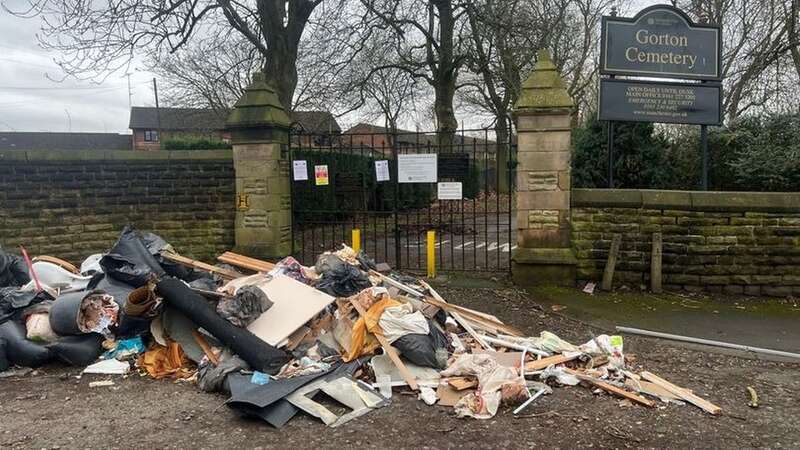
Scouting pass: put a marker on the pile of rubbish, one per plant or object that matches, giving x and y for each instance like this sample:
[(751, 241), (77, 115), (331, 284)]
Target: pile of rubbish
[(273, 336)]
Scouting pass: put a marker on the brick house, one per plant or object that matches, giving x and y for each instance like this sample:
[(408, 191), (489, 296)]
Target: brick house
[(379, 138), (151, 126)]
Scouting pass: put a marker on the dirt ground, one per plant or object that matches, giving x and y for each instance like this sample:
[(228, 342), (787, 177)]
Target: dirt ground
[(51, 409)]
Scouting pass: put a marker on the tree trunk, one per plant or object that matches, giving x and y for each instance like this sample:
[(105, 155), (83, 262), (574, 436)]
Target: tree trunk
[(445, 115), (281, 69), (502, 155)]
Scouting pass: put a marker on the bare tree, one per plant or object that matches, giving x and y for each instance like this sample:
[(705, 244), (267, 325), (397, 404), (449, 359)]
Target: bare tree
[(96, 38), (428, 47)]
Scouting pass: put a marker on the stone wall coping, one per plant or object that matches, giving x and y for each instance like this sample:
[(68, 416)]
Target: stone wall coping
[(718, 201), (114, 155)]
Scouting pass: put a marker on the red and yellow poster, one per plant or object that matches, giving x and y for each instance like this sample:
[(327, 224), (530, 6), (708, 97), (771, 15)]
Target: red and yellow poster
[(321, 175)]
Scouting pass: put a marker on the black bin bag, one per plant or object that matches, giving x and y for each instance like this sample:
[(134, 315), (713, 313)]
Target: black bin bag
[(19, 350), (130, 261), (257, 353), (78, 351)]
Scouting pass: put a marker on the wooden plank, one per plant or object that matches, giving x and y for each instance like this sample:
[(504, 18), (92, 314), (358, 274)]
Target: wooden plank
[(612, 389), (608, 273), (684, 394), (449, 396), (646, 387), (201, 341), (464, 324), (655, 264), (391, 352), (246, 262), (397, 284), (461, 383), (470, 315), (174, 257), (544, 363)]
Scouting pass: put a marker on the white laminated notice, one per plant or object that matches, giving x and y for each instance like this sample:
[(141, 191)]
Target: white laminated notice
[(419, 168), (382, 170), (449, 190), (300, 170)]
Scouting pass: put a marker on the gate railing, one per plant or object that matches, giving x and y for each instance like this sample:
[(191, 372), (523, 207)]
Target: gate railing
[(473, 234)]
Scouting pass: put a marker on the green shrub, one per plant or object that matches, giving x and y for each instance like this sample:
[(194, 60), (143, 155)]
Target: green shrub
[(194, 144)]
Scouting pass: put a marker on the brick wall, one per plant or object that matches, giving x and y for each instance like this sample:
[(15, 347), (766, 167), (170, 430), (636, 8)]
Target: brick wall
[(72, 204), (732, 242)]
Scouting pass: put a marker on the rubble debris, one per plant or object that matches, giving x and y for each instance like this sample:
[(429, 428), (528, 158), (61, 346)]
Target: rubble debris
[(286, 333), (753, 403)]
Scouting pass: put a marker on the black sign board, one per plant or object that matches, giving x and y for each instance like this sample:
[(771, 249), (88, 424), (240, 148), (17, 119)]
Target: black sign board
[(660, 41), (643, 101), (453, 166)]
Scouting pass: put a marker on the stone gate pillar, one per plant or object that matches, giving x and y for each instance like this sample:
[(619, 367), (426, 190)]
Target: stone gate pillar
[(543, 116), (259, 129)]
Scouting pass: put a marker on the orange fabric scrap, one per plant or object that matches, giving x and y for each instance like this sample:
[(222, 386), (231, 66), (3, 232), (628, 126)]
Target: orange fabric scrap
[(166, 362), (362, 340)]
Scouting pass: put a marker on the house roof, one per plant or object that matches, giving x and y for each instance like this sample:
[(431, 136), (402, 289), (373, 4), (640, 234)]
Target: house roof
[(206, 119), (413, 137), (64, 141)]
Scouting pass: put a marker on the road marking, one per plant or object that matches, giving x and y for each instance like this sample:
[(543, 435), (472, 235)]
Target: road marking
[(492, 246), (482, 244), (467, 244), (438, 244)]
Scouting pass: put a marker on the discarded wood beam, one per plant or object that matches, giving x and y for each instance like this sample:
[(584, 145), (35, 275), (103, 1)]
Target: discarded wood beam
[(246, 262), (224, 273), (471, 316), (655, 264), (66, 265), (608, 273), (201, 341), (397, 284), (464, 324), (694, 340), (544, 363), (391, 352), (608, 387), (684, 394), (515, 346), (461, 383)]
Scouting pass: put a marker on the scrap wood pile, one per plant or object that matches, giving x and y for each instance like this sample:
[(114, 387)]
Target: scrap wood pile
[(275, 335)]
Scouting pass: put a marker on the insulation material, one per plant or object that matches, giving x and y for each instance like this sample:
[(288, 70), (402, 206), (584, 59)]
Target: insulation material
[(98, 313)]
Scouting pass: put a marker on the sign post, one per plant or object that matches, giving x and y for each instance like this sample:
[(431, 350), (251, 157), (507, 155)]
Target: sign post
[(661, 42)]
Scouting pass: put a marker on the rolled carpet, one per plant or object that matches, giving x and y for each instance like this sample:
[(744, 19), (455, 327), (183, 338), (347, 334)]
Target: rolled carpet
[(257, 353)]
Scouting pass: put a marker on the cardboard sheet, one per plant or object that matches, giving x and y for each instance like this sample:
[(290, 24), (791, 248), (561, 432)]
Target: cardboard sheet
[(294, 304)]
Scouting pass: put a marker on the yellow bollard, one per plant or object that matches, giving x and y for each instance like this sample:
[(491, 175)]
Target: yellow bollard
[(356, 239), (431, 254)]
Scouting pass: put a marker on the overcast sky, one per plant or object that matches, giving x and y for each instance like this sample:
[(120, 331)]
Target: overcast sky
[(30, 101)]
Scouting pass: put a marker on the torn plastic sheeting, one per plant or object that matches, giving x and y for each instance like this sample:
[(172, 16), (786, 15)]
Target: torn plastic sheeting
[(211, 378), (125, 348), (13, 271), (130, 261), (245, 306), (13, 300), (342, 389), (258, 354), (398, 321), (78, 350), (560, 375), (91, 265), (57, 277), (21, 351)]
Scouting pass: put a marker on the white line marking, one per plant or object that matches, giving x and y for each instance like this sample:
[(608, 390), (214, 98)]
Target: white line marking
[(467, 244), (482, 244)]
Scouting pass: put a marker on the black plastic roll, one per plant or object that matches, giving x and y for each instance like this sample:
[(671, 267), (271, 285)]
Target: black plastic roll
[(78, 350), (257, 353)]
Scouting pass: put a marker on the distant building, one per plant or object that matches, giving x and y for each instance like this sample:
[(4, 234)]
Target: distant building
[(380, 138), (24, 140), (153, 126)]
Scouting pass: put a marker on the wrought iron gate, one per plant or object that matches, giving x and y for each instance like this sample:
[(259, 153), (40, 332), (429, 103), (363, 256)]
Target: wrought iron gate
[(472, 234)]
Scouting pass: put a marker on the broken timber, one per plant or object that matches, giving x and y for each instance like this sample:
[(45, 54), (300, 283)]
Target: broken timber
[(390, 351), (476, 319), (464, 324), (544, 363), (246, 262), (608, 387), (684, 394), (224, 273)]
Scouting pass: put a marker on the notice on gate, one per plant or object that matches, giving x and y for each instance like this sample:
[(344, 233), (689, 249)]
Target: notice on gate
[(382, 170), (449, 190), (321, 175), (300, 170), (420, 168)]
